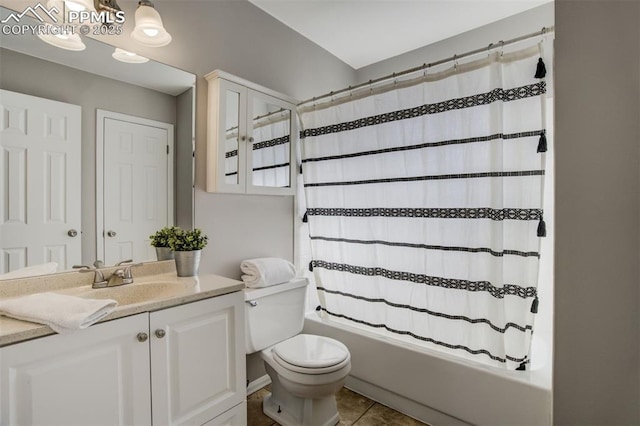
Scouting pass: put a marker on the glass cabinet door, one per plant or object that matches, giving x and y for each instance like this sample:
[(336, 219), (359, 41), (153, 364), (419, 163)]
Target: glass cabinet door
[(271, 148), (232, 137)]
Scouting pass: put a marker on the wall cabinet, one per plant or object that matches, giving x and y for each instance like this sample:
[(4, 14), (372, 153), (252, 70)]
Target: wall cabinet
[(251, 138), (182, 365)]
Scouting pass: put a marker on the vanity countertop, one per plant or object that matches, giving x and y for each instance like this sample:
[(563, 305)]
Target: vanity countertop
[(183, 290)]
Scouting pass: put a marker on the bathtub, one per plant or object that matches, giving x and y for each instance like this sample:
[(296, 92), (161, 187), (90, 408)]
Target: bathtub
[(438, 388)]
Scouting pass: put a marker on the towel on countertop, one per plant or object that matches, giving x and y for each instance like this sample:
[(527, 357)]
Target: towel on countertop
[(62, 313), (31, 271), (266, 271)]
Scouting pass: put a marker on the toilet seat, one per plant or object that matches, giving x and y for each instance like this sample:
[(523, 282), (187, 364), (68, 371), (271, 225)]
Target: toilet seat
[(310, 354)]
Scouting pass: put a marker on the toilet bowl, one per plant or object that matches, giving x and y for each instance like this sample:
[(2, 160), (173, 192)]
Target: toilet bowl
[(305, 370)]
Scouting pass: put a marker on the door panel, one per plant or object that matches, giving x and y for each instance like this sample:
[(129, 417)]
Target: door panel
[(39, 182), (98, 376)]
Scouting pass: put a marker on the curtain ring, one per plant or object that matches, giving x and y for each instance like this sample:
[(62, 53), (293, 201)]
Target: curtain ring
[(370, 86), (489, 49), (395, 80), (501, 47), (455, 62)]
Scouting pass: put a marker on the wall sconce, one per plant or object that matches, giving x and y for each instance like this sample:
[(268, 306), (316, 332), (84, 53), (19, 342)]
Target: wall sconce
[(149, 30), (62, 39)]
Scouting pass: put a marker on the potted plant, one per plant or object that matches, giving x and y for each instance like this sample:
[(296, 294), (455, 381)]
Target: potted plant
[(187, 246), (160, 240)]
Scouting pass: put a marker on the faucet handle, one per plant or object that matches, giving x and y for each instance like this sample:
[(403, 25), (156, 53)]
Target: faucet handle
[(127, 269), (98, 264), (98, 277), (122, 262)]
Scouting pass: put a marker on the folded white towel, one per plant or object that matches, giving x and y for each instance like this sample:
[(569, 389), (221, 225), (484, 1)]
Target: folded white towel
[(266, 271), (31, 271), (62, 313)]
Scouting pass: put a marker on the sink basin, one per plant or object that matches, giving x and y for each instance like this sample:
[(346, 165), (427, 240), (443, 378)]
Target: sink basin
[(130, 294)]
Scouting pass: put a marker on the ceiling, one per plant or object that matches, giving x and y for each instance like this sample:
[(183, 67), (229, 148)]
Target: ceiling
[(363, 32)]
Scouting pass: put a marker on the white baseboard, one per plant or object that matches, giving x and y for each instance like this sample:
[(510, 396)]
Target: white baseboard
[(258, 384)]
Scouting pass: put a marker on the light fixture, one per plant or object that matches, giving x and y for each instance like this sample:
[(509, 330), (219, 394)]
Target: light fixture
[(149, 30), (79, 5), (129, 57), (61, 39)]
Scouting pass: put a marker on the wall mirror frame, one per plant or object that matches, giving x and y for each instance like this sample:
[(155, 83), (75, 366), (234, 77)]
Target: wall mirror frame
[(29, 66)]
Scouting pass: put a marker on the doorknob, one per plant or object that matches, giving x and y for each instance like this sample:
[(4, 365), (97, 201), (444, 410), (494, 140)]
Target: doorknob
[(72, 233), (111, 234)]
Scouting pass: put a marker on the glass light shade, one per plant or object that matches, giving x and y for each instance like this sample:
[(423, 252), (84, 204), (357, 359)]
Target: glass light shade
[(129, 57), (79, 5), (68, 41), (149, 30)]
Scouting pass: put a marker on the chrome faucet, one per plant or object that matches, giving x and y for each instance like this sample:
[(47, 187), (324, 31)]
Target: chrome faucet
[(99, 280), (122, 275)]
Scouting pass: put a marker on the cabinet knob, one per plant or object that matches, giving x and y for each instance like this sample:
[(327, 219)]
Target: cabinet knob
[(142, 337), (251, 139), (243, 138), (160, 333)]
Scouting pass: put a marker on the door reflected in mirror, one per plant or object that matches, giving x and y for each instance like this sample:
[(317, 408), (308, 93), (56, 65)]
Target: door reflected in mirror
[(271, 146)]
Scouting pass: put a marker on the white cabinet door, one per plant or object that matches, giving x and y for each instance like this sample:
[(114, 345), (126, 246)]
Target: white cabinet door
[(39, 182), (237, 416), (98, 376), (197, 360)]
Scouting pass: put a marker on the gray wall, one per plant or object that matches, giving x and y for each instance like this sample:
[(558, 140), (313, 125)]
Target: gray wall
[(597, 317), (36, 77), (237, 37)]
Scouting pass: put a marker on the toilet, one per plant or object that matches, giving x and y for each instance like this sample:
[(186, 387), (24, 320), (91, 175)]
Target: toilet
[(306, 370)]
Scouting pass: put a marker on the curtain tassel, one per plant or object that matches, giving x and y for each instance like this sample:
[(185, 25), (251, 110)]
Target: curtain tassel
[(541, 69), (311, 266), (542, 228), (300, 168), (318, 308), (305, 218), (534, 305), (542, 143), (522, 367)]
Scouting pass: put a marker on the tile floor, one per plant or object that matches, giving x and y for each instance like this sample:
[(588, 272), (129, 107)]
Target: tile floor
[(354, 409)]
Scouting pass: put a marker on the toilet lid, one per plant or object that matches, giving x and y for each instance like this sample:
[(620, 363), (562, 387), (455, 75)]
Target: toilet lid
[(309, 351)]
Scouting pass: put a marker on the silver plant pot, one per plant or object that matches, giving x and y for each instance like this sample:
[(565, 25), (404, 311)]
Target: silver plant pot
[(187, 263), (164, 253)]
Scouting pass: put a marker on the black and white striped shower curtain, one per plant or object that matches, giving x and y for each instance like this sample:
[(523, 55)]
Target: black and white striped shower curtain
[(424, 207)]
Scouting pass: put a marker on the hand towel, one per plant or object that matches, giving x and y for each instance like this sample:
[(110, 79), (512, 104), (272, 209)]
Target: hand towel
[(62, 313), (31, 271), (266, 271)]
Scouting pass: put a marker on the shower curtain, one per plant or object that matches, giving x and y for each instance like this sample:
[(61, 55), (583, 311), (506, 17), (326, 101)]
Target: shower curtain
[(424, 206)]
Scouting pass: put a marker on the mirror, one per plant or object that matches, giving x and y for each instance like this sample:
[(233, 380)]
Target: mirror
[(232, 134), (94, 80), (271, 144)]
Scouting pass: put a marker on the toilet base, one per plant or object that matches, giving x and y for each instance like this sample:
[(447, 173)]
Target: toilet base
[(305, 415)]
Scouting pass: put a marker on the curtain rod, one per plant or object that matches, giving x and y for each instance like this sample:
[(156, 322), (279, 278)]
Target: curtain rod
[(425, 66)]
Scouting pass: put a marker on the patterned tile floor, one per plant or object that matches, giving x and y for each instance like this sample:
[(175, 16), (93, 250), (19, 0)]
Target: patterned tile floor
[(354, 409)]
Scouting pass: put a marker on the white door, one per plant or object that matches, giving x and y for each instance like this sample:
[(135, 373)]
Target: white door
[(137, 185), (98, 376), (39, 182)]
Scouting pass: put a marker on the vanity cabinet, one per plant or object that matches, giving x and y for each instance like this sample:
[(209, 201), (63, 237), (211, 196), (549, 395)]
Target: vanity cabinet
[(181, 365), (251, 138)]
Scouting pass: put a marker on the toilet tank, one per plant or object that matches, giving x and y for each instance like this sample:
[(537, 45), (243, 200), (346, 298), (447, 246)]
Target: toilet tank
[(274, 314)]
